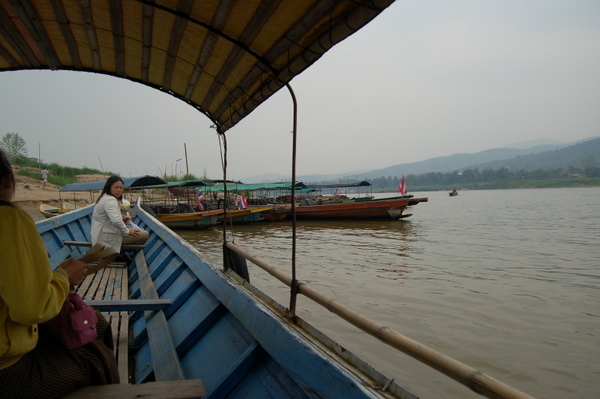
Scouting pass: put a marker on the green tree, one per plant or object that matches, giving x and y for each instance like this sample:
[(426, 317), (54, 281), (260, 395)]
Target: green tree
[(14, 144)]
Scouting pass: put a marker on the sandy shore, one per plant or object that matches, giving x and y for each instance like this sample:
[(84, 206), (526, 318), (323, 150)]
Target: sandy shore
[(31, 192)]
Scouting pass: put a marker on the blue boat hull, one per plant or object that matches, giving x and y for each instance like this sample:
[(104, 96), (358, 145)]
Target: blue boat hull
[(224, 334)]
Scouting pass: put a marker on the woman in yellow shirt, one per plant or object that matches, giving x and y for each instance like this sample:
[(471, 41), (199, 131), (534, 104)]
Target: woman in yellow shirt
[(32, 363)]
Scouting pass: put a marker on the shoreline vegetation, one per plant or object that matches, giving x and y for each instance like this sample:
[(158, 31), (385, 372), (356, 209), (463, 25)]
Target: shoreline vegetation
[(515, 184), (30, 191)]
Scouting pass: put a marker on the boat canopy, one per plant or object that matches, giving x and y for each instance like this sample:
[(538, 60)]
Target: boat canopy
[(363, 183), (132, 182), (182, 184), (255, 187), (224, 58)]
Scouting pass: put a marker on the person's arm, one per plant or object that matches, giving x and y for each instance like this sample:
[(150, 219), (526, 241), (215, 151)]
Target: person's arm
[(31, 291)]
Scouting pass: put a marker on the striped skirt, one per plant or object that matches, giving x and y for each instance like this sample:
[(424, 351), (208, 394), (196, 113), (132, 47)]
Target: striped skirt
[(52, 371)]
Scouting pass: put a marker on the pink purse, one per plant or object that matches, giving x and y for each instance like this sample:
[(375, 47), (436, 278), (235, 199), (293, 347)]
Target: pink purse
[(75, 324)]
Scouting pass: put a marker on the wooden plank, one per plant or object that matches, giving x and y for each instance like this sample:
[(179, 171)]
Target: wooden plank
[(59, 256), (186, 389), (89, 244), (110, 285), (121, 341), (129, 305), (95, 290), (165, 360)]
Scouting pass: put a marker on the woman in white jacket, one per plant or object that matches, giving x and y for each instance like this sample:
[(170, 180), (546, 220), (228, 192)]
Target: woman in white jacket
[(108, 227)]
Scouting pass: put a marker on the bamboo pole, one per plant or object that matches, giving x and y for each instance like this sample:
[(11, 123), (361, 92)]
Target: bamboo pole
[(476, 380)]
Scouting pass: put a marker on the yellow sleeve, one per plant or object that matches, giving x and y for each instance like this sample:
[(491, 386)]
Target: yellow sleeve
[(30, 290)]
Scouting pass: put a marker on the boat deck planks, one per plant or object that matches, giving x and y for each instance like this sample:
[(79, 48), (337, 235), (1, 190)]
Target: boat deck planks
[(220, 333), (110, 283)]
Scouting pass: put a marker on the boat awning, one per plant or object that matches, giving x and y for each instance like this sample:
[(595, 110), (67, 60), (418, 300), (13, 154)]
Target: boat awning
[(254, 187), (132, 182), (182, 184), (224, 58), (363, 183)]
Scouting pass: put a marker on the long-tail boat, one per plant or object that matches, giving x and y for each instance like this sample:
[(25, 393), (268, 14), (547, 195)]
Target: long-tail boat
[(186, 328)]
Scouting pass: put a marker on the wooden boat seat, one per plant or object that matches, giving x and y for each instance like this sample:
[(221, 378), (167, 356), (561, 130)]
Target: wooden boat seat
[(130, 305), (151, 390), (130, 247), (108, 292)]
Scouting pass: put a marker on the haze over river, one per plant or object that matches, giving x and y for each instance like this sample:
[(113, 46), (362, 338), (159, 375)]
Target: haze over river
[(505, 281)]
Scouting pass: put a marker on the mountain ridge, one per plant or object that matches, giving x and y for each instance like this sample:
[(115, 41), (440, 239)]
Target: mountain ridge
[(537, 154)]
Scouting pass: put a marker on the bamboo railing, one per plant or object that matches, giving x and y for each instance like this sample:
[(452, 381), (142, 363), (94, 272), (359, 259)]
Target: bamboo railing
[(475, 380)]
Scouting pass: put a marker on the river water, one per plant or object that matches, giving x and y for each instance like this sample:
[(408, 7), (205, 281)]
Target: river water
[(505, 281)]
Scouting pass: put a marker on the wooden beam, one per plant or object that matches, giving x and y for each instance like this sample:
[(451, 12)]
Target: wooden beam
[(116, 22), (184, 7), (259, 18), (65, 28), (90, 29), (121, 305), (217, 22), (16, 33), (165, 361), (186, 389), (148, 22), (89, 244)]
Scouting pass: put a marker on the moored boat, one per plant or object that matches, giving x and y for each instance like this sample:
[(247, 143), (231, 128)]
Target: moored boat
[(187, 220), (49, 211), (183, 319), (222, 337), (219, 329), (365, 209), (246, 215)]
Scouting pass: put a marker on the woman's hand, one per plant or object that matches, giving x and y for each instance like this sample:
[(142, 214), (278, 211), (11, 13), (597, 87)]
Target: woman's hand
[(75, 269), (134, 232)]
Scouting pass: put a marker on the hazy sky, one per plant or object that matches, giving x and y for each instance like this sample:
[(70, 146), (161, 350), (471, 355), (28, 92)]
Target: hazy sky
[(427, 78)]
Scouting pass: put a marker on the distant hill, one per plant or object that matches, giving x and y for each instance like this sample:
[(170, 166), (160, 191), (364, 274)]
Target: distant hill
[(523, 145), (572, 155), (544, 154), (455, 162)]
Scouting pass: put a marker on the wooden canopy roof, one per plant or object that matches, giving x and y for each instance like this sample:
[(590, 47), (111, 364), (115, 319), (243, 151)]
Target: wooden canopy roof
[(222, 57)]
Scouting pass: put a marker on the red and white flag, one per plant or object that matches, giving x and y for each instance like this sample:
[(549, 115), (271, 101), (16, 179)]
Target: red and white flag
[(402, 186), (200, 199), (241, 202)]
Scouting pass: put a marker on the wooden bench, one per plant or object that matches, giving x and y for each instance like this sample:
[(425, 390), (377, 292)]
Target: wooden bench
[(105, 286), (130, 247), (127, 305), (150, 390), (107, 291)]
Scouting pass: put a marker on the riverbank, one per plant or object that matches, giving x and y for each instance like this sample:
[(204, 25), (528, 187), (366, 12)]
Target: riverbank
[(30, 192)]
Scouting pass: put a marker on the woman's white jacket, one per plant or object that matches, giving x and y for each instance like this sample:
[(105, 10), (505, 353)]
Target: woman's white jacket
[(108, 228)]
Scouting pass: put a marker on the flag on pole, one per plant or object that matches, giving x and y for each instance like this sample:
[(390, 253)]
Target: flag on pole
[(240, 201), (200, 199), (402, 186)]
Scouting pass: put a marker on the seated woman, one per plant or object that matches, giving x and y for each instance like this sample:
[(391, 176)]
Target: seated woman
[(33, 364), (108, 227)]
